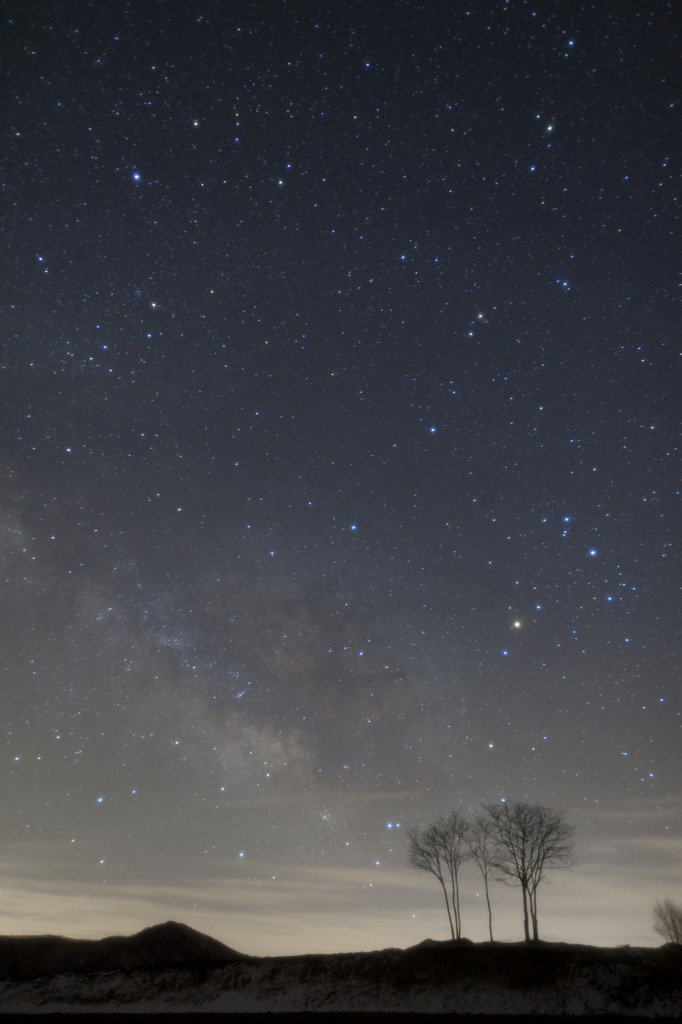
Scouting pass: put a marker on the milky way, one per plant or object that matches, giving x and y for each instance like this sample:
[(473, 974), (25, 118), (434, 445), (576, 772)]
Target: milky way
[(340, 444)]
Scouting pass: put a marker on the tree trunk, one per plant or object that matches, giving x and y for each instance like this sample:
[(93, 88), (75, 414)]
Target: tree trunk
[(490, 910), (526, 930), (447, 907), (455, 907), (534, 914)]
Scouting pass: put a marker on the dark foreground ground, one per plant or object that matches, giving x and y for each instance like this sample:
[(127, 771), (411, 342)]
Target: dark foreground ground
[(169, 970), (321, 1018)]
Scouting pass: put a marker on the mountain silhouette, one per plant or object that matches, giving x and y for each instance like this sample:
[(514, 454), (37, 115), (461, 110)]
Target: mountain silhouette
[(33, 956)]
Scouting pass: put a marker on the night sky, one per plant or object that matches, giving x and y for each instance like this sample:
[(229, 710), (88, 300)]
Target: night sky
[(340, 449)]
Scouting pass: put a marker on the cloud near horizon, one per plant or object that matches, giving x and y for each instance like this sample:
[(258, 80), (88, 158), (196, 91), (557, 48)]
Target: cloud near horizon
[(268, 909)]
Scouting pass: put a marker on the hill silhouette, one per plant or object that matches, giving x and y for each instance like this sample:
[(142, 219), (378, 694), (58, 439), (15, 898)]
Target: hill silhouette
[(33, 956)]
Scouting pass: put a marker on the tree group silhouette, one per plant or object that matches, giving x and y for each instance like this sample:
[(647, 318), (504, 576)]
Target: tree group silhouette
[(515, 843)]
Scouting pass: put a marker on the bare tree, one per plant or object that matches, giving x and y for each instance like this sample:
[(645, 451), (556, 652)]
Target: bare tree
[(482, 852), (424, 853), (452, 834), (440, 849), (668, 920), (528, 840)]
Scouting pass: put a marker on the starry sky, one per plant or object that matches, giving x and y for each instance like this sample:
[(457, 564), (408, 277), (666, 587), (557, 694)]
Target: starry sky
[(340, 453)]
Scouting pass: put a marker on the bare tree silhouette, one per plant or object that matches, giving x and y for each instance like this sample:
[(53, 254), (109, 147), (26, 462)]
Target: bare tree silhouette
[(482, 852), (668, 920), (424, 854), (528, 839), (441, 849)]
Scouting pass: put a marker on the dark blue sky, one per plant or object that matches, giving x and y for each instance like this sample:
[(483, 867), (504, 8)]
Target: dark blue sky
[(340, 424)]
